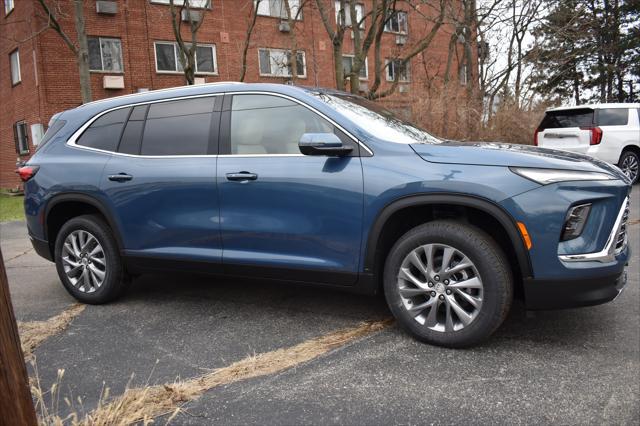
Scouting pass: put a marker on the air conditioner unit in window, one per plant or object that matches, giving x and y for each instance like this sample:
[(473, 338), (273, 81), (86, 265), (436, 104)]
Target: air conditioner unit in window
[(403, 89), (113, 82), (195, 15), (284, 27), (364, 87), (199, 80), (401, 40), (106, 7)]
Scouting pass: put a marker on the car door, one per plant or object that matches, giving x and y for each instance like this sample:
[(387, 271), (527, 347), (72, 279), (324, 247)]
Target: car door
[(285, 215), (161, 183), (569, 130)]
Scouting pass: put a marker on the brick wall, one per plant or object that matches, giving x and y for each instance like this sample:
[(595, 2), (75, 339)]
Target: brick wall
[(51, 83)]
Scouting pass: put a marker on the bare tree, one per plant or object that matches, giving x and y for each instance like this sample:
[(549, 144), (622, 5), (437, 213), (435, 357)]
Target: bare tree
[(403, 61), (336, 34), (247, 38), (187, 50), (80, 48)]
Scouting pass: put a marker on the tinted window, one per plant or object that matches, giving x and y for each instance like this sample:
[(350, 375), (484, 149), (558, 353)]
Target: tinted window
[(104, 133), (263, 124), (567, 118), (130, 142), (613, 117), (178, 127)]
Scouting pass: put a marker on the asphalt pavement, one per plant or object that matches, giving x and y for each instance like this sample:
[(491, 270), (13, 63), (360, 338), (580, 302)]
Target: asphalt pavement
[(578, 366)]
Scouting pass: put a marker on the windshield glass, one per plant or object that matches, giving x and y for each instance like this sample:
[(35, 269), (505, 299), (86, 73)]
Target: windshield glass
[(376, 119)]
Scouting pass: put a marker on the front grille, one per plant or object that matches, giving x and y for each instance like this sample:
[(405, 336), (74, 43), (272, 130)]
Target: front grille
[(621, 237)]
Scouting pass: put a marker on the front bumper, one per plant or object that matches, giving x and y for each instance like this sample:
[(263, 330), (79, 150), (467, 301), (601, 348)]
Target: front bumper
[(551, 294)]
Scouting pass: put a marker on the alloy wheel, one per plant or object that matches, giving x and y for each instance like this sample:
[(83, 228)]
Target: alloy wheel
[(629, 166), (84, 261), (440, 287)]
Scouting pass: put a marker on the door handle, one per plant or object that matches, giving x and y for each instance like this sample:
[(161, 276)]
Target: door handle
[(242, 176), (120, 177)]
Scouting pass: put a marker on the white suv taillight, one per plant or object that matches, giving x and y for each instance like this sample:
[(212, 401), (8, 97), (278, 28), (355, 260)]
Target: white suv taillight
[(596, 134)]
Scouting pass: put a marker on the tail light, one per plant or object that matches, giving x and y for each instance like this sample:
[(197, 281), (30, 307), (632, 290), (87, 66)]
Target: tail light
[(535, 137), (596, 134), (27, 172)]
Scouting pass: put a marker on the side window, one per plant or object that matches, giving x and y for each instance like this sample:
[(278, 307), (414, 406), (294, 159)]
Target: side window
[(613, 117), (104, 133), (132, 135), (264, 124), (178, 127)]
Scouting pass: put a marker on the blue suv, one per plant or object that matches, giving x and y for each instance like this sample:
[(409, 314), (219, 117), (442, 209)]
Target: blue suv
[(323, 187)]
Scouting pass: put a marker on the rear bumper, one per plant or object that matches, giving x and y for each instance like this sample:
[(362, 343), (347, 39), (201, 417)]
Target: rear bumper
[(42, 248), (571, 294)]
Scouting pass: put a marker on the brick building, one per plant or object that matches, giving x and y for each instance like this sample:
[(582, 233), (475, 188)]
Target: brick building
[(131, 49)]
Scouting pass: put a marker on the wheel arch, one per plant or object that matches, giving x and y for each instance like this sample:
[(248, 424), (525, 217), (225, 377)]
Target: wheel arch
[(630, 147), (72, 205), (377, 249)]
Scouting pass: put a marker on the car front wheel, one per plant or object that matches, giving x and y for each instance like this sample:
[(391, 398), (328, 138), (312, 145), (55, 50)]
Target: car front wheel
[(448, 284), (88, 261)]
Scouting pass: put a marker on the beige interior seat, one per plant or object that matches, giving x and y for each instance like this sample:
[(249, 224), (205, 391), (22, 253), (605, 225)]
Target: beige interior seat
[(247, 136)]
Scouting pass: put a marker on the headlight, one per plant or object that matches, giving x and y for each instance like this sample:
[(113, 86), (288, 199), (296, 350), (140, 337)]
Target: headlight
[(547, 176)]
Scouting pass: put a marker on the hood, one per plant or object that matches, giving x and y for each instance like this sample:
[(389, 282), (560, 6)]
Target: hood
[(507, 155)]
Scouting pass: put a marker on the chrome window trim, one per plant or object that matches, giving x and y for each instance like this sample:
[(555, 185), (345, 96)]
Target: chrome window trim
[(71, 142), (608, 253)]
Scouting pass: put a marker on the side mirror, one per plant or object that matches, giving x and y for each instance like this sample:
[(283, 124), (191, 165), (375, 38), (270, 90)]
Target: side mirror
[(323, 144)]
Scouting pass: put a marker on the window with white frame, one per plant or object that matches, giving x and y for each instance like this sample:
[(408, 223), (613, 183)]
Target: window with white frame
[(14, 58), (21, 138), (105, 54), (8, 6), (395, 68), (397, 22), (198, 4), (347, 13), (277, 63), (347, 65), (278, 8), (168, 59)]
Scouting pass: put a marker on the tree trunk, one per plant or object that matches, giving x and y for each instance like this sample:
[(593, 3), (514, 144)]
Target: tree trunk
[(83, 53), (337, 61), (16, 404)]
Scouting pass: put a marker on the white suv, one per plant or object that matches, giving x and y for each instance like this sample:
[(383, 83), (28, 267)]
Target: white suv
[(609, 132)]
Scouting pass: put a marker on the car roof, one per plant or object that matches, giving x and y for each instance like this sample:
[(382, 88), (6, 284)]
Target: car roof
[(596, 106)]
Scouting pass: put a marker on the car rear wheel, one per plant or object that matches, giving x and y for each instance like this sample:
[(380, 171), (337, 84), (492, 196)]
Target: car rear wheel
[(88, 261), (448, 284), (629, 162)]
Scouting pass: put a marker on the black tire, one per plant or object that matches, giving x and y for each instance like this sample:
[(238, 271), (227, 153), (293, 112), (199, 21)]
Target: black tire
[(633, 156), (492, 267), (115, 279)]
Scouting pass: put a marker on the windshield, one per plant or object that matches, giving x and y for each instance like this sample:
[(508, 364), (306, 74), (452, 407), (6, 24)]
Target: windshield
[(376, 119)]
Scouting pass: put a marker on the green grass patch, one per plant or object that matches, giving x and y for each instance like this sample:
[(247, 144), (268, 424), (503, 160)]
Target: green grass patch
[(11, 208)]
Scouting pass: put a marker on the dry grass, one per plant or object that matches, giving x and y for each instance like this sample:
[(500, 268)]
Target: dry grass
[(142, 405), (35, 332)]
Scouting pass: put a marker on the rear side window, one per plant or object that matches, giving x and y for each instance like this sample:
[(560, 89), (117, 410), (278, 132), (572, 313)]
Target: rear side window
[(567, 118), (132, 135), (613, 117), (104, 133), (178, 127)]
